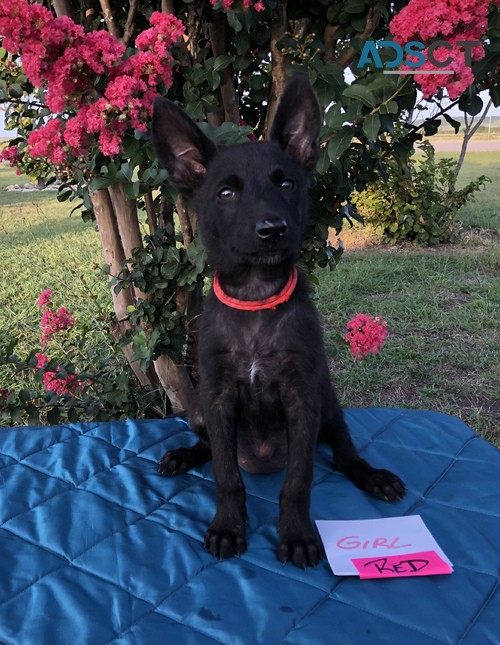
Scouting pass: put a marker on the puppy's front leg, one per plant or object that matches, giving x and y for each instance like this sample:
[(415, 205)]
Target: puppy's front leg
[(299, 541), (225, 536)]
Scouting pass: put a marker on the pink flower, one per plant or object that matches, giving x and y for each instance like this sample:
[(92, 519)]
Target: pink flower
[(45, 299), (47, 141), (448, 20), (53, 381), (228, 4), (12, 155), (76, 133), (4, 395), (166, 30), (42, 361), (87, 72), (100, 51), (365, 335), (53, 321), (68, 385), (20, 21)]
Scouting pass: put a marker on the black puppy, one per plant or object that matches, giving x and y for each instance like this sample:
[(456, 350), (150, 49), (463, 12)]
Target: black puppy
[(264, 396)]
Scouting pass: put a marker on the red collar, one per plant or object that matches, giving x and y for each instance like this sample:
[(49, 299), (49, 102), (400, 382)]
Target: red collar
[(258, 305)]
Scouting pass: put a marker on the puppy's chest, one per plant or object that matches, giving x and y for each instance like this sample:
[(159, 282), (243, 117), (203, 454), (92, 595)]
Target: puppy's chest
[(258, 362)]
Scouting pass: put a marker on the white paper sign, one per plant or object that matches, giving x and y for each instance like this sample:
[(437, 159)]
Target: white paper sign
[(382, 548)]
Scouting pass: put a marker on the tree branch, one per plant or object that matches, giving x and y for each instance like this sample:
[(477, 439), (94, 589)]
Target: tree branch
[(63, 8), (330, 42), (217, 32), (150, 212), (470, 130), (345, 58), (109, 18), (130, 24), (167, 7), (278, 62)]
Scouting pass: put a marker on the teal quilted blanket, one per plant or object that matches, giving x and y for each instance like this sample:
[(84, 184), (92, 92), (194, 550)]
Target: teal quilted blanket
[(97, 548)]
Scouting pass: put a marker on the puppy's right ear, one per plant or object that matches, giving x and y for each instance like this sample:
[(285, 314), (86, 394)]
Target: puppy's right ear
[(180, 145)]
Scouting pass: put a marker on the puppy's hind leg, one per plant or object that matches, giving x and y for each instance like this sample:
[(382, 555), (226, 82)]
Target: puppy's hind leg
[(378, 482)]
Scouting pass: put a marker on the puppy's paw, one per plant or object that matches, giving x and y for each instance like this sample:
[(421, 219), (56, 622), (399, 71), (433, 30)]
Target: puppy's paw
[(179, 461), (303, 548), (376, 481), (385, 485), (225, 542)]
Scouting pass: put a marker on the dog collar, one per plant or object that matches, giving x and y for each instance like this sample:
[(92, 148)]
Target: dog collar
[(257, 305)]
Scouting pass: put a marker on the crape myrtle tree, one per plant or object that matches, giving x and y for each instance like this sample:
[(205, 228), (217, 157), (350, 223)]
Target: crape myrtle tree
[(80, 77)]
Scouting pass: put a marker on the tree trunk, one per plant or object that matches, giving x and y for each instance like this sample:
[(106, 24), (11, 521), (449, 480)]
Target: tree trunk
[(468, 134), (116, 218), (114, 258), (278, 31), (128, 225)]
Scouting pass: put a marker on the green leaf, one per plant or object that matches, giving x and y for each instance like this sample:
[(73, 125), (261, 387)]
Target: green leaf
[(53, 416), (221, 62), (323, 161), (354, 6), (389, 108), (483, 67), (26, 395), (495, 95), (431, 127), (126, 171), (360, 93), (100, 182), (454, 124), (16, 91), (233, 21), (371, 126), (470, 103), (131, 146), (132, 190), (339, 144)]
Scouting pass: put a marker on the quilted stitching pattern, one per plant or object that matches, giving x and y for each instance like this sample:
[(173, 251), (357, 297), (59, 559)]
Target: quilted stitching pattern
[(97, 548)]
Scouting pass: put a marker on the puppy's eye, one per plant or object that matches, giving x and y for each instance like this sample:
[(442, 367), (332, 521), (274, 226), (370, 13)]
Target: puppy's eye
[(287, 184), (226, 194)]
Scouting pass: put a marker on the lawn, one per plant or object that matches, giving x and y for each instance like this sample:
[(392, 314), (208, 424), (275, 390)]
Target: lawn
[(442, 305), (484, 212)]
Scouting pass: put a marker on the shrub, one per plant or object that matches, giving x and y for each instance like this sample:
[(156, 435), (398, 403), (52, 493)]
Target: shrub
[(418, 202)]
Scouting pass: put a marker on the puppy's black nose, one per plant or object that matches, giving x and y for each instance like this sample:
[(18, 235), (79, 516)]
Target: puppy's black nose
[(271, 229)]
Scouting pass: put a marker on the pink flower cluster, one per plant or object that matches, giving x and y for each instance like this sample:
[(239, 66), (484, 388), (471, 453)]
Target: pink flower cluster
[(228, 4), (365, 335), (13, 157), (58, 55), (52, 321), (449, 20), (54, 381)]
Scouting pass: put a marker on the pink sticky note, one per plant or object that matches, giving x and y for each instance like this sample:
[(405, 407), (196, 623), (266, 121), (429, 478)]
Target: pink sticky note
[(424, 563)]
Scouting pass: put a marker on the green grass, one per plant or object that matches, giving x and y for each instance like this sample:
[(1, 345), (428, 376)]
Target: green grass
[(43, 248), (442, 310), (484, 211), (442, 304)]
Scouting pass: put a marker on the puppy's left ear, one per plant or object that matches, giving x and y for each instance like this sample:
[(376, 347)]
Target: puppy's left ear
[(297, 122)]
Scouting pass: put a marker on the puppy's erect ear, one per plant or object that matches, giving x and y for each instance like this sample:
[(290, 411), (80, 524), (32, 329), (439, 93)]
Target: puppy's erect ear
[(297, 121), (180, 145)]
